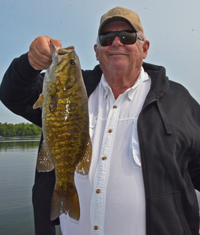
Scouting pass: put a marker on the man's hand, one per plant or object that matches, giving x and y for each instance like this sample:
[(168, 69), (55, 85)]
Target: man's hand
[(39, 54)]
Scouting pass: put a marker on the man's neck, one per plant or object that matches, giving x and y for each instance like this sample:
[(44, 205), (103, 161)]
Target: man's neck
[(120, 81)]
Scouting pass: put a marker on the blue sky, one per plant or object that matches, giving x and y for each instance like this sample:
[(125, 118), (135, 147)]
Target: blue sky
[(171, 26)]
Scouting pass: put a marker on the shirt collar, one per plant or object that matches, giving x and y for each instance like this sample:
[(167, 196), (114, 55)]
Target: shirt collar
[(142, 78), (130, 92), (107, 88)]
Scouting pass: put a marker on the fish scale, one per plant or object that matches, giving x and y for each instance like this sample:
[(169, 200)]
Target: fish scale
[(67, 146)]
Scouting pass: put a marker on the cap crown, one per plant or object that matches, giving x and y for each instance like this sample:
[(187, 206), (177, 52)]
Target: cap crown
[(124, 14)]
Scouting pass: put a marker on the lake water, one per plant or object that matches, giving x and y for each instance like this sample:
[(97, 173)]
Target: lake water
[(17, 169)]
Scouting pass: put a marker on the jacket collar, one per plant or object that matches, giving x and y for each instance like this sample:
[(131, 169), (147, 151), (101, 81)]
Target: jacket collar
[(159, 80), (159, 86)]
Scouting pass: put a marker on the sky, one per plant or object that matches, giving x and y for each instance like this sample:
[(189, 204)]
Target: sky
[(171, 26)]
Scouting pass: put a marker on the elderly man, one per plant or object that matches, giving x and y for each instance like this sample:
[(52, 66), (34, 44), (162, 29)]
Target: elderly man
[(145, 133)]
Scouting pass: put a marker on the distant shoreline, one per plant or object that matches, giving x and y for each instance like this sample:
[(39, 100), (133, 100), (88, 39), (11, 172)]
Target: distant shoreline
[(21, 129), (21, 136)]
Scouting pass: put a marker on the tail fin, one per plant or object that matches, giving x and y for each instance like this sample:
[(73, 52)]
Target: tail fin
[(65, 202)]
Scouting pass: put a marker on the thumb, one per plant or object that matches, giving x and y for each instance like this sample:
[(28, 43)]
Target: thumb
[(56, 43)]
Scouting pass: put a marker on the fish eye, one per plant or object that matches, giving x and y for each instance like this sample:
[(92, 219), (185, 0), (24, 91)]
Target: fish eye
[(72, 62)]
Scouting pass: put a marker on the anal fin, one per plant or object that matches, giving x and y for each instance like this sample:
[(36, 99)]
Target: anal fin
[(83, 165), (44, 162)]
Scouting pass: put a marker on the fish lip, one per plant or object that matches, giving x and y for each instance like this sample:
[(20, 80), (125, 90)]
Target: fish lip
[(65, 51)]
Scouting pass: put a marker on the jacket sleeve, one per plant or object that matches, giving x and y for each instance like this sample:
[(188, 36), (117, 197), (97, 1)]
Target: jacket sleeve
[(20, 88), (194, 122), (92, 78), (191, 111), (194, 171)]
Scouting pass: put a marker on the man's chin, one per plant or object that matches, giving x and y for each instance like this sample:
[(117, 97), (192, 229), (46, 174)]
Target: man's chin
[(118, 64)]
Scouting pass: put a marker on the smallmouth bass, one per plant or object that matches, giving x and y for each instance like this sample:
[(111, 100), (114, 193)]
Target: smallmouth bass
[(65, 124)]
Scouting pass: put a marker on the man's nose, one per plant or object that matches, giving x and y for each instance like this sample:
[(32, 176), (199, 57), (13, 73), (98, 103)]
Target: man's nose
[(117, 42)]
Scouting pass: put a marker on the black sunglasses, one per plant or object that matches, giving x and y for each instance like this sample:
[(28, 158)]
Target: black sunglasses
[(126, 37)]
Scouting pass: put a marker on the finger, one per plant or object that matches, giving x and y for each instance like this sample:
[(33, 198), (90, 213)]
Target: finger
[(39, 64), (39, 53), (43, 44)]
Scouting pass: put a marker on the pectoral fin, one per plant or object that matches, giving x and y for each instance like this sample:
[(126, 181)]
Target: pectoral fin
[(83, 165), (39, 102), (44, 163)]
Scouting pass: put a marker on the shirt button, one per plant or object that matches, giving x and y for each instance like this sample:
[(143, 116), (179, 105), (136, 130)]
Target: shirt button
[(110, 131), (98, 190), (104, 158), (114, 106), (96, 227)]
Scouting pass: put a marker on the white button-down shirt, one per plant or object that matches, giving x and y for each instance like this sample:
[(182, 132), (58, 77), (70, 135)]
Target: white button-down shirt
[(112, 198)]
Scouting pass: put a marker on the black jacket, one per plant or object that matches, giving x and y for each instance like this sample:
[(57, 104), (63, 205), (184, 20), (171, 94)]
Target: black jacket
[(169, 137)]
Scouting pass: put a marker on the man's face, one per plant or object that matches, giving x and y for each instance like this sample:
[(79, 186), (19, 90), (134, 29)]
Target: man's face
[(119, 56)]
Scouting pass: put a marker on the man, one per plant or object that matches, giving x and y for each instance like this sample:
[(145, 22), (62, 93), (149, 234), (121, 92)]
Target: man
[(145, 133)]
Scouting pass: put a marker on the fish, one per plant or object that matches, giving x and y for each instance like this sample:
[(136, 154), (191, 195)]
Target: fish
[(65, 125)]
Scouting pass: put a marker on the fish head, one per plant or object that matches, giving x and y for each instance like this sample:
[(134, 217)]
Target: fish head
[(66, 67)]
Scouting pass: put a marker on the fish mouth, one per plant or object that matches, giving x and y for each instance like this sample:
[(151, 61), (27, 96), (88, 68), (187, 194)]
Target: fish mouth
[(64, 51)]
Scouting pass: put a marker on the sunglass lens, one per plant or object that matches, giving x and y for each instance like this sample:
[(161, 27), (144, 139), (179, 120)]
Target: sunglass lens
[(106, 40), (128, 38)]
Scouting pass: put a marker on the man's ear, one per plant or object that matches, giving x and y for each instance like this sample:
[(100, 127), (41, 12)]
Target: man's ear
[(146, 46), (96, 51)]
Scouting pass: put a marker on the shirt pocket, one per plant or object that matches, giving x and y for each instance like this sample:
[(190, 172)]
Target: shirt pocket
[(92, 124), (134, 150)]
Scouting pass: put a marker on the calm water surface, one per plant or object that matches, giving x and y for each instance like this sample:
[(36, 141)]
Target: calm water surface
[(17, 169)]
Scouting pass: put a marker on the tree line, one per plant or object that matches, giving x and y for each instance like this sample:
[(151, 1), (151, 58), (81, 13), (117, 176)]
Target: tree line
[(21, 129)]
